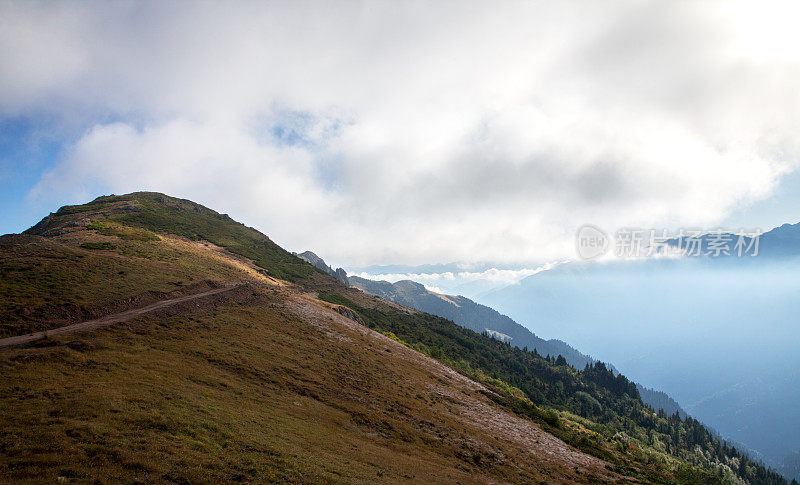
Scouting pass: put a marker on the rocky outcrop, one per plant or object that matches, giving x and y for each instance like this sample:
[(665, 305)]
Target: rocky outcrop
[(352, 315), (319, 263), (341, 275), (315, 261)]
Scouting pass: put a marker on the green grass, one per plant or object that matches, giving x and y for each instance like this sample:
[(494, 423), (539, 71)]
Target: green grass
[(122, 232)]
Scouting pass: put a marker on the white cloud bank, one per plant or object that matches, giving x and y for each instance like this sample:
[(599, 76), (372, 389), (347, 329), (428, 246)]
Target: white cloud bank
[(416, 131), (460, 281)]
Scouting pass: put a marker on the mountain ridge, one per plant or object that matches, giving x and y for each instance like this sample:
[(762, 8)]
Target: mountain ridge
[(469, 314), (481, 318), (698, 325), (287, 381)]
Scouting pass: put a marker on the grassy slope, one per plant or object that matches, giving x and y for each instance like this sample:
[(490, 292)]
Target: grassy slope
[(244, 392), (86, 257), (41, 277), (205, 397), (255, 390), (262, 402)]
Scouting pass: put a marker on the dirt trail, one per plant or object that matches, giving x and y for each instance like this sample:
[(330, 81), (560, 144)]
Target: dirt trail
[(108, 319)]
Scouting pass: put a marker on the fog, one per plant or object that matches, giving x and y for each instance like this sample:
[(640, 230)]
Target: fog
[(719, 336)]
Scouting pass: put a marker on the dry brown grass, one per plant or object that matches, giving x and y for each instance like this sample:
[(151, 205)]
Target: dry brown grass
[(273, 389), (48, 282)]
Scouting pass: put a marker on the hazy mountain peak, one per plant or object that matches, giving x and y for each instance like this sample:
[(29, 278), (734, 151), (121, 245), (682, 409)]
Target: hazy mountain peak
[(319, 263)]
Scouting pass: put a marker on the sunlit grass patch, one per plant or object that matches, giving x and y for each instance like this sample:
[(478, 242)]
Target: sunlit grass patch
[(98, 246), (122, 232)]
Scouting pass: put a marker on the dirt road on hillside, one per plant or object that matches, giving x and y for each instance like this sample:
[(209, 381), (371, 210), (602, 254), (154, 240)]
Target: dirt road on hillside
[(108, 319)]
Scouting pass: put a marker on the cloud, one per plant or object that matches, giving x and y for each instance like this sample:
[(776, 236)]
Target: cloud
[(447, 280), (416, 132)]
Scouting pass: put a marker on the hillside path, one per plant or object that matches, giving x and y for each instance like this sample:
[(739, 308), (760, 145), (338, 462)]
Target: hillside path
[(108, 319)]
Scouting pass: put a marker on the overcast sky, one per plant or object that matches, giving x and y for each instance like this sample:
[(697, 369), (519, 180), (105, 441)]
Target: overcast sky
[(408, 132)]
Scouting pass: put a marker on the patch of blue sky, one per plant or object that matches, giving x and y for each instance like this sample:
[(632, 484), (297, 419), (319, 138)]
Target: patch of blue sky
[(297, 128), (28, 148), (328, 172), (309, 131), (294, 129)]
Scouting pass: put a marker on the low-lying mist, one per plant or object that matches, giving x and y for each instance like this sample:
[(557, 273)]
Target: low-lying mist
[(720, 336)]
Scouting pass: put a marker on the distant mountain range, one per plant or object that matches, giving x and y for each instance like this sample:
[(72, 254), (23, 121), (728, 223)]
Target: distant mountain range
[(719, 334), (471, 315), (661, 400), (484, 319), (780, 242), (790, 466)]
